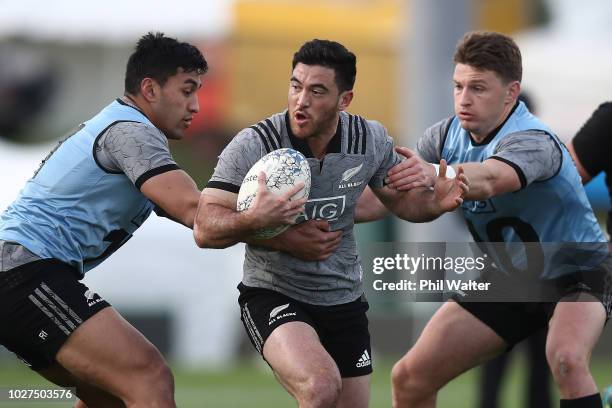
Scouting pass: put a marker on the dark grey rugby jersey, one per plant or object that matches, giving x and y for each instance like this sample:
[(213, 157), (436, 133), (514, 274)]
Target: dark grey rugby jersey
[(360, 154)]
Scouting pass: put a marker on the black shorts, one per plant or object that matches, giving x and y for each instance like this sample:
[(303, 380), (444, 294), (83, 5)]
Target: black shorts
[(515, 321), (342, 329), (41, 304)]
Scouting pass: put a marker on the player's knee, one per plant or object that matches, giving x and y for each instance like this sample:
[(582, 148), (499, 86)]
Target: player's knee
[(567, 364), (80, 404), (155, 387), (402, 374), (161, 375), (409, 381), (321, 391)]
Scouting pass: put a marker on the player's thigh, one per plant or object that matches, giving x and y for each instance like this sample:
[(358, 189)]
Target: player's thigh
[(297, 356), (42, 304), (107, 352), (282, 331), (355, 392), (576, 325), (93, 397), (452, 342)]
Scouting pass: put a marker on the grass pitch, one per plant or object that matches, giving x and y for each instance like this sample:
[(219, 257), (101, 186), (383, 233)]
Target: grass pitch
[(251, 384)]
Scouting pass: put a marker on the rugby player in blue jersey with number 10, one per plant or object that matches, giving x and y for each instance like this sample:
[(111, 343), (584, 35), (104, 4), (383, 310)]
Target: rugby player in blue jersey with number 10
[(524, 179)]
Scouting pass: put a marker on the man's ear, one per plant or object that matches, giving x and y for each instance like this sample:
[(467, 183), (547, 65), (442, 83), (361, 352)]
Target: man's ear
[(345, 100), (149, 89), (514, 91)]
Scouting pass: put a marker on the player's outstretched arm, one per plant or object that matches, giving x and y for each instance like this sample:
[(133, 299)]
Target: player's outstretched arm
[(423, 204), (369, 207), (490, 178), (219, 225), (487, 179), (411, 172), (174, 192)]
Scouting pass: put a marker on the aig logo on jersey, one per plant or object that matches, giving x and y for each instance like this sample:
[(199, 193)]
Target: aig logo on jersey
[(346, 180), (478, 207), (329, 208)]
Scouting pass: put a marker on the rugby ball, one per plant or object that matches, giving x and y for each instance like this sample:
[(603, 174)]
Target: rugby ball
[(284, 168)]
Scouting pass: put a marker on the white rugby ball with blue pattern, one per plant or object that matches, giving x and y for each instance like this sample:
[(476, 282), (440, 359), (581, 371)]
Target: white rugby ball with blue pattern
[(284, 168)]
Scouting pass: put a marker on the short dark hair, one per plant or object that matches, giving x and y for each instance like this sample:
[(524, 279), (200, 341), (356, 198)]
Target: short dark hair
[(490, 51), (332, 55), (159, 57)]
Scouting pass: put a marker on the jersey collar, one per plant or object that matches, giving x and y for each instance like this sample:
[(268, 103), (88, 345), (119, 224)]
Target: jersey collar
[(124, 103), (494, 132), (334, 145)]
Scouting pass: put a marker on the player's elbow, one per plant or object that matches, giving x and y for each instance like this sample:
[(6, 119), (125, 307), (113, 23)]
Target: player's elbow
[(204, 239), (488, 190), (200, 237)]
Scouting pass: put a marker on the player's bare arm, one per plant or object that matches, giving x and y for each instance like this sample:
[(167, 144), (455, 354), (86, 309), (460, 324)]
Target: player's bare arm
[(174, 192), (411, 172), (423, 204), (311, 240), (490, 178), (369, 207), (219, 225), (487, 179)]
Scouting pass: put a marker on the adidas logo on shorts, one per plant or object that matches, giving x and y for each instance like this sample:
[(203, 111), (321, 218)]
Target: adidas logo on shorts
[(364, 360)]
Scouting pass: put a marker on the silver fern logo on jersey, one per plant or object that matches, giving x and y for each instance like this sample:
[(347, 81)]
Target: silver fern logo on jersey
[(349, 174)]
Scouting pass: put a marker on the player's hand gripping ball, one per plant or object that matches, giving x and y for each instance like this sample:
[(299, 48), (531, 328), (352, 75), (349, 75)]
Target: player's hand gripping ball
[(284, 168)]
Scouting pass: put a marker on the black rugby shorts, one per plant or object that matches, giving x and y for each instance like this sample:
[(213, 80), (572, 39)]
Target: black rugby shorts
[(342, 329)]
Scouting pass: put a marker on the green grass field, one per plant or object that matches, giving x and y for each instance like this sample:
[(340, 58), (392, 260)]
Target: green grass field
[(252, 385)]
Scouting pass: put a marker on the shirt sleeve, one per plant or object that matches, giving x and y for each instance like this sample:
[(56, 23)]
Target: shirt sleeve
[(236, 160), (138, 150), (429, 146), (593, 141), (385, 156), (534, 155)]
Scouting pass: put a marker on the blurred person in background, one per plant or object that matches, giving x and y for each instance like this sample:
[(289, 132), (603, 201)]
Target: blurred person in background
[(307, 318), (538, 393), (27, 83), (591, 148), (87, 198), (523, 187)]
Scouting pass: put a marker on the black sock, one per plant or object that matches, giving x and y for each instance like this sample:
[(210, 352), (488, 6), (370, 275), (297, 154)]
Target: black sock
[(591, 401)]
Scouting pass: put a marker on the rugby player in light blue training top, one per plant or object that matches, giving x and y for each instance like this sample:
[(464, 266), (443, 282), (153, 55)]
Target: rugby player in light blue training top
[(525, 188), (304, 312), (86, 199)]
